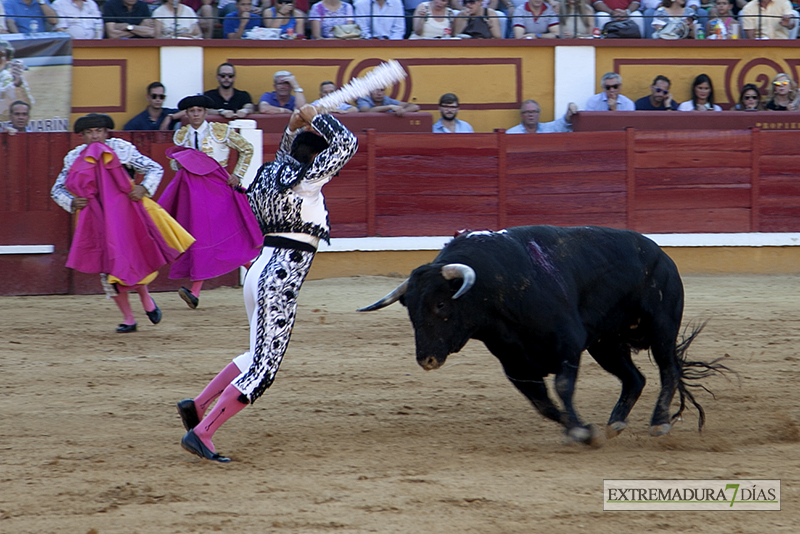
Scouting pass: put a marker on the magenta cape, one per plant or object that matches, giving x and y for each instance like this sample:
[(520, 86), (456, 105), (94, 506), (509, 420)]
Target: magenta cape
[(218, 217), (115, 235)]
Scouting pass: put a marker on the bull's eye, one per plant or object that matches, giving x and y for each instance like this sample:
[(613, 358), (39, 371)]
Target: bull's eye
[(440, 305)]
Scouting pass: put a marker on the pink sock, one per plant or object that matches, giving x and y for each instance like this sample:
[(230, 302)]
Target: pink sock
[(144, 295), (215, 388), (227, 406), (196, 287), (123, 305)]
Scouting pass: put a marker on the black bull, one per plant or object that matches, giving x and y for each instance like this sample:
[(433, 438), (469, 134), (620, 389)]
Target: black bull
[(538, 296)]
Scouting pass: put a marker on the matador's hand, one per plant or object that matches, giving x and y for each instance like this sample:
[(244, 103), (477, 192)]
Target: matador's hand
[(78, 203), (138, 193)]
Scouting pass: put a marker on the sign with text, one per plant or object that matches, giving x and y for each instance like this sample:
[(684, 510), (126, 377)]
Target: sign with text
[(36, 72), (692, 495)]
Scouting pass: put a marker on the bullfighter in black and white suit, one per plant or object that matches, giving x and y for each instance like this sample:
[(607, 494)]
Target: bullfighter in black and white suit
[(286, 197)]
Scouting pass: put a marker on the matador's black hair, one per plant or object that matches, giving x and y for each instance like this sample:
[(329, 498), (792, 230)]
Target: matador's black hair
[(307, 145)]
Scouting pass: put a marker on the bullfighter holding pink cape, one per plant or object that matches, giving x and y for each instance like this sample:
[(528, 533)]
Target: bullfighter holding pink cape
[(120, 234), (208, 201)]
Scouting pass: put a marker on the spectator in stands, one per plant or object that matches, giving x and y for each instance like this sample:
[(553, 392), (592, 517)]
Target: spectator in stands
[(324, 15), (608, 10), (673, 20), (477, 22), (575, 19), (610, 99), (767, 19), (281, 99), (286, 16), (660, 98), (378, 102), (380, 19), (448, 108), (226, 7), (782, 94), (702, 96), (749, 99), (176, 20), (529, 114), (20, 114), (79, 18), (326, 88), (432, 20), (226, 99), (725, 14), (535, 20), (3, 27), (155, 116), (235, 24), (125, 19), (29, 16)]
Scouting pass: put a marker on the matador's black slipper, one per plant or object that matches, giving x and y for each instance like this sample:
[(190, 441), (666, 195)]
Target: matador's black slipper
[(155, 315), (188, 412), (188, 298), (192, 443), (126, 328)]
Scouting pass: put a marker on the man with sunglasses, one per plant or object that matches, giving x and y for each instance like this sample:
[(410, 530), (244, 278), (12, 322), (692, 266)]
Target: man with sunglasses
[(155, 116), (660, 98), (610, 99), (226, 99)]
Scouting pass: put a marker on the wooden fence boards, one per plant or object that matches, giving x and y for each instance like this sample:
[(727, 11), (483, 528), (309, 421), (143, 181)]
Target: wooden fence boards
[(432, 184)]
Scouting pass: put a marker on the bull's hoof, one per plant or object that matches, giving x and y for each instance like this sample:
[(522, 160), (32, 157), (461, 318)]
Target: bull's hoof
[(615, 429), (586, 435), (660, 430)]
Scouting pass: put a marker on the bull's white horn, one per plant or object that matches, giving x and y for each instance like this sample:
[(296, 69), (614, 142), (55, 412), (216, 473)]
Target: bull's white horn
[(391, 298), (452, 271)]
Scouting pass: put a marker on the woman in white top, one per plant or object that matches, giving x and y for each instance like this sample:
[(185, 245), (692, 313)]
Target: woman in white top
[(432, 20), (702, 96), (186, 21), (575, 19)]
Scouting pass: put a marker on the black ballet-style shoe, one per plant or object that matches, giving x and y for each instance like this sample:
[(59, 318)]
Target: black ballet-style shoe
[(188, 298), (126, 328), (188, 412), (191, 443), (155, 315)]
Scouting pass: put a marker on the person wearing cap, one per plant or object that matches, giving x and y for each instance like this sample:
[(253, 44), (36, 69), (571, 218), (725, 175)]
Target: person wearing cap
[(281, 99), (204, 199), (286, 197), (120, 232)]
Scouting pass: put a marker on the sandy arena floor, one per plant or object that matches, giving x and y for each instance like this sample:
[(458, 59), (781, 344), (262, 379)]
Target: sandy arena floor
[(355, 437)]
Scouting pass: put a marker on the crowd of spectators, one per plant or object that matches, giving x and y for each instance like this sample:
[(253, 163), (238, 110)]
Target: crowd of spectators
[(400, 19), (288, 96)]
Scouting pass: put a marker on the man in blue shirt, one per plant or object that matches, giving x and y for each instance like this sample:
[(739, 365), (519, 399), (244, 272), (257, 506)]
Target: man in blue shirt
[(29, 16), (610, 99), (281, 99), (448, 107), (155, 116), (529, 112), (378, 102), (660, 98)]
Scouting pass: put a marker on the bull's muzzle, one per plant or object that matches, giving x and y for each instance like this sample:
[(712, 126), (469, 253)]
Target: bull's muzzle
[(429, 363)]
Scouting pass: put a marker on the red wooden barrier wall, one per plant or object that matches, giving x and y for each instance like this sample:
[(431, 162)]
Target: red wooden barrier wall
[(432, 184)]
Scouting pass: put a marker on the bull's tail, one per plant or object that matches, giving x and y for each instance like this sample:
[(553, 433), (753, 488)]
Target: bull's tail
[(693, 371)]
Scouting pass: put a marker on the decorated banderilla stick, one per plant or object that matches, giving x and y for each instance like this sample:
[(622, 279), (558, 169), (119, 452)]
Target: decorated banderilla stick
[(384, 75)]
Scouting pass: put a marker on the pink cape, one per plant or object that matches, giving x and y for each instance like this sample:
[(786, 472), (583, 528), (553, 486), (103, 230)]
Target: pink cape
[(115, 235), (218, 217)]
